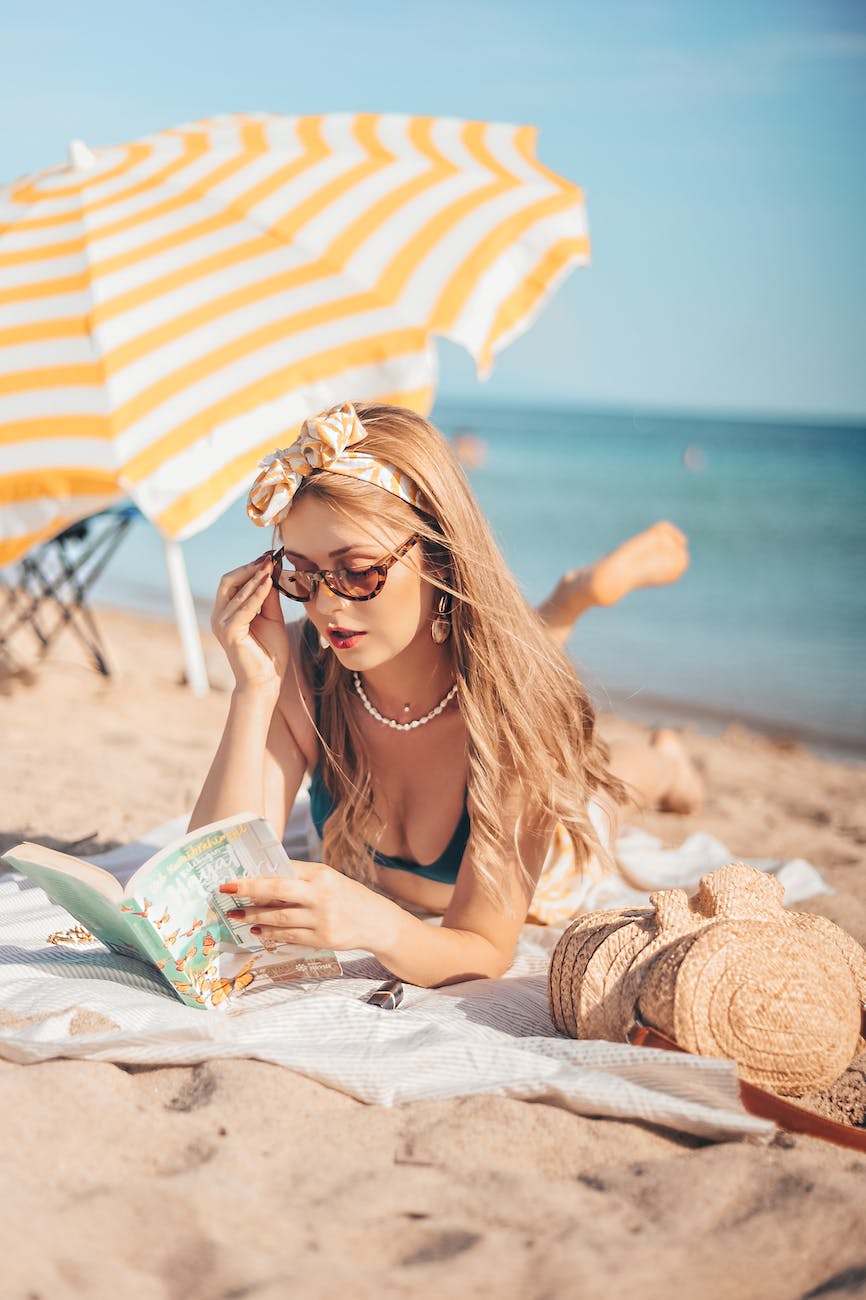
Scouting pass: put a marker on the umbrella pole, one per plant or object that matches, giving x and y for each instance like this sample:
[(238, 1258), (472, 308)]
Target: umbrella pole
[(184, 613)]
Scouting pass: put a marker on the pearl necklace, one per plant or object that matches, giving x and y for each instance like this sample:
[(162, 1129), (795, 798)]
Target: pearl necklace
[(392, 722)]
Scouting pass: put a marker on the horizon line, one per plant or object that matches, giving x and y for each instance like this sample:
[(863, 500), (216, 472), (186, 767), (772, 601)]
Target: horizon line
[(718, 415)]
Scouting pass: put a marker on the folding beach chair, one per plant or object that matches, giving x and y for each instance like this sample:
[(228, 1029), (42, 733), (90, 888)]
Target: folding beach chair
[(49, 590)]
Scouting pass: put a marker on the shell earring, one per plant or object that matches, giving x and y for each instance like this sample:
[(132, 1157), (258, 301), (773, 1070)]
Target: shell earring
[(440, 628), (324, 642)]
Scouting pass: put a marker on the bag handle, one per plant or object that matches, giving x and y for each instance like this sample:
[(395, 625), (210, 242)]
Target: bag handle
[(766, 1105)]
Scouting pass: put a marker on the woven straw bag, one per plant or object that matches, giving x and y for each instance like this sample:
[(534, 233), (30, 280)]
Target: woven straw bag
[(729, 973)]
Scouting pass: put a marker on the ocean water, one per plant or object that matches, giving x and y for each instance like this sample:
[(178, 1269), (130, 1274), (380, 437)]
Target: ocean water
[(768, 625)]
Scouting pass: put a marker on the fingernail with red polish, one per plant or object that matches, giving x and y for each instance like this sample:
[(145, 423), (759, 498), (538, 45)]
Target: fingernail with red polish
[(230, 887), (255, 929), (236, 913)]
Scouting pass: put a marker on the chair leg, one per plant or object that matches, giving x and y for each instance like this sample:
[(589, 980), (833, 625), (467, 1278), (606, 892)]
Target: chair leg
[(64, 591), (24, 606)]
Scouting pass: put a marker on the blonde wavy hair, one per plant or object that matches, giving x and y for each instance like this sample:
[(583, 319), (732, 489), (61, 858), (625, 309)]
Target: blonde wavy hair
[(530, 725)]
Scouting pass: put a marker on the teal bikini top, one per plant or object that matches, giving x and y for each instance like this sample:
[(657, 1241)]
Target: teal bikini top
[(446, 866)]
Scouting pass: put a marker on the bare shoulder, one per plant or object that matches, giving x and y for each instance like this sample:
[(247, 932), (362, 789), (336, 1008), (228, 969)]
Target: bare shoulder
[(296, 705)]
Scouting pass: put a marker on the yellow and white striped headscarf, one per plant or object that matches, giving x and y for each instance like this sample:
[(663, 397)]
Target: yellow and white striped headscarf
[(326, 442)]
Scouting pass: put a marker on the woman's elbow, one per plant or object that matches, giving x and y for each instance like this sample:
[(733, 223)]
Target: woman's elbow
[(490, 963)]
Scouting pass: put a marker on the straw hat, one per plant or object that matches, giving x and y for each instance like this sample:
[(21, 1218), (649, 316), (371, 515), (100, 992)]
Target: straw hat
[(570, 957), (783, 1005), (598, 966), (729, 973)]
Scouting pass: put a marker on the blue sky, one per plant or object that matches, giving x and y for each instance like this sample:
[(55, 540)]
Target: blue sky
[(721, 145)]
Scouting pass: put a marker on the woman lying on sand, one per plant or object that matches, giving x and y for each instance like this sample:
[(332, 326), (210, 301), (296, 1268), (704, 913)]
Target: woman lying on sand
[(454, 763)]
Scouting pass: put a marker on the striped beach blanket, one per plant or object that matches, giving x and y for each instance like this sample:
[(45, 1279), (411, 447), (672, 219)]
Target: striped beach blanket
[(481, 1036)]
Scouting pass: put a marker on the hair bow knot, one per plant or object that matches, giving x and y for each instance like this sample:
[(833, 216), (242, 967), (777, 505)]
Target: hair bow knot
[(325, 442)]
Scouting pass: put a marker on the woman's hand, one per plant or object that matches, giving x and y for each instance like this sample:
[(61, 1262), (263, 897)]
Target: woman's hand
[(248, 623), (318, 908)]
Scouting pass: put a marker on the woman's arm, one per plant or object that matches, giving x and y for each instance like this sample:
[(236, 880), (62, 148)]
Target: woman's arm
[(259, 764), (235, 782), (258, 767), (320, 908)]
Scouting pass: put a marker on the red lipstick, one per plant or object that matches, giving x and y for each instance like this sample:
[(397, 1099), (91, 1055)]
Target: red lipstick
[(344, 638)]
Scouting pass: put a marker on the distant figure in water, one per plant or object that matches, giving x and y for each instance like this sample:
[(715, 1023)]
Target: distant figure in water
[(694, 459), (469, 449)]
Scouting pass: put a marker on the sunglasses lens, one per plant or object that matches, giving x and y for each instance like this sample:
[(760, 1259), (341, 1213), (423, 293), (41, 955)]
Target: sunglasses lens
[(355, 584), (298, 586), (293, 582)]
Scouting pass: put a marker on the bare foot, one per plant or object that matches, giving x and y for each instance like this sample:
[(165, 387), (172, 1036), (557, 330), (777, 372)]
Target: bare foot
[(685, 792), (653, 558)]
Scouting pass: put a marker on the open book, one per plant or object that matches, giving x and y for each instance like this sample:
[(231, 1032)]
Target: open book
[(171, 915)]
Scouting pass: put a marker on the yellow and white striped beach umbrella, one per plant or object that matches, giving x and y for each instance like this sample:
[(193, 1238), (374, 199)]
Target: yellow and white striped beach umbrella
[(172, 309)]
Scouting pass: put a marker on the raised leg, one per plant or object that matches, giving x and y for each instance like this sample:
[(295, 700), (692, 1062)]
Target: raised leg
[(653, 558)]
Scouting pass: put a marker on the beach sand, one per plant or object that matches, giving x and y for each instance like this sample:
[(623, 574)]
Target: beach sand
[(241, 1178)]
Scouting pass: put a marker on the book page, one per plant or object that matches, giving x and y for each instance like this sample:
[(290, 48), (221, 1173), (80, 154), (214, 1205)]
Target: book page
[(187, 843), (213, 958), (189, 872), (53, 860)]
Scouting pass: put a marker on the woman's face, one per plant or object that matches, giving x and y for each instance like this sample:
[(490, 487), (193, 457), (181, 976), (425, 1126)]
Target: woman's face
[(366, 633)]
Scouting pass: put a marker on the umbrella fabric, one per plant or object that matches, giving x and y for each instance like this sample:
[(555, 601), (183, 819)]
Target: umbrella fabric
[(172, 309)]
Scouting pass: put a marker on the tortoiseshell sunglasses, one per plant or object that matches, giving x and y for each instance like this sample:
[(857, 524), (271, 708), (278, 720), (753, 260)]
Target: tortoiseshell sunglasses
[(352, 584)]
